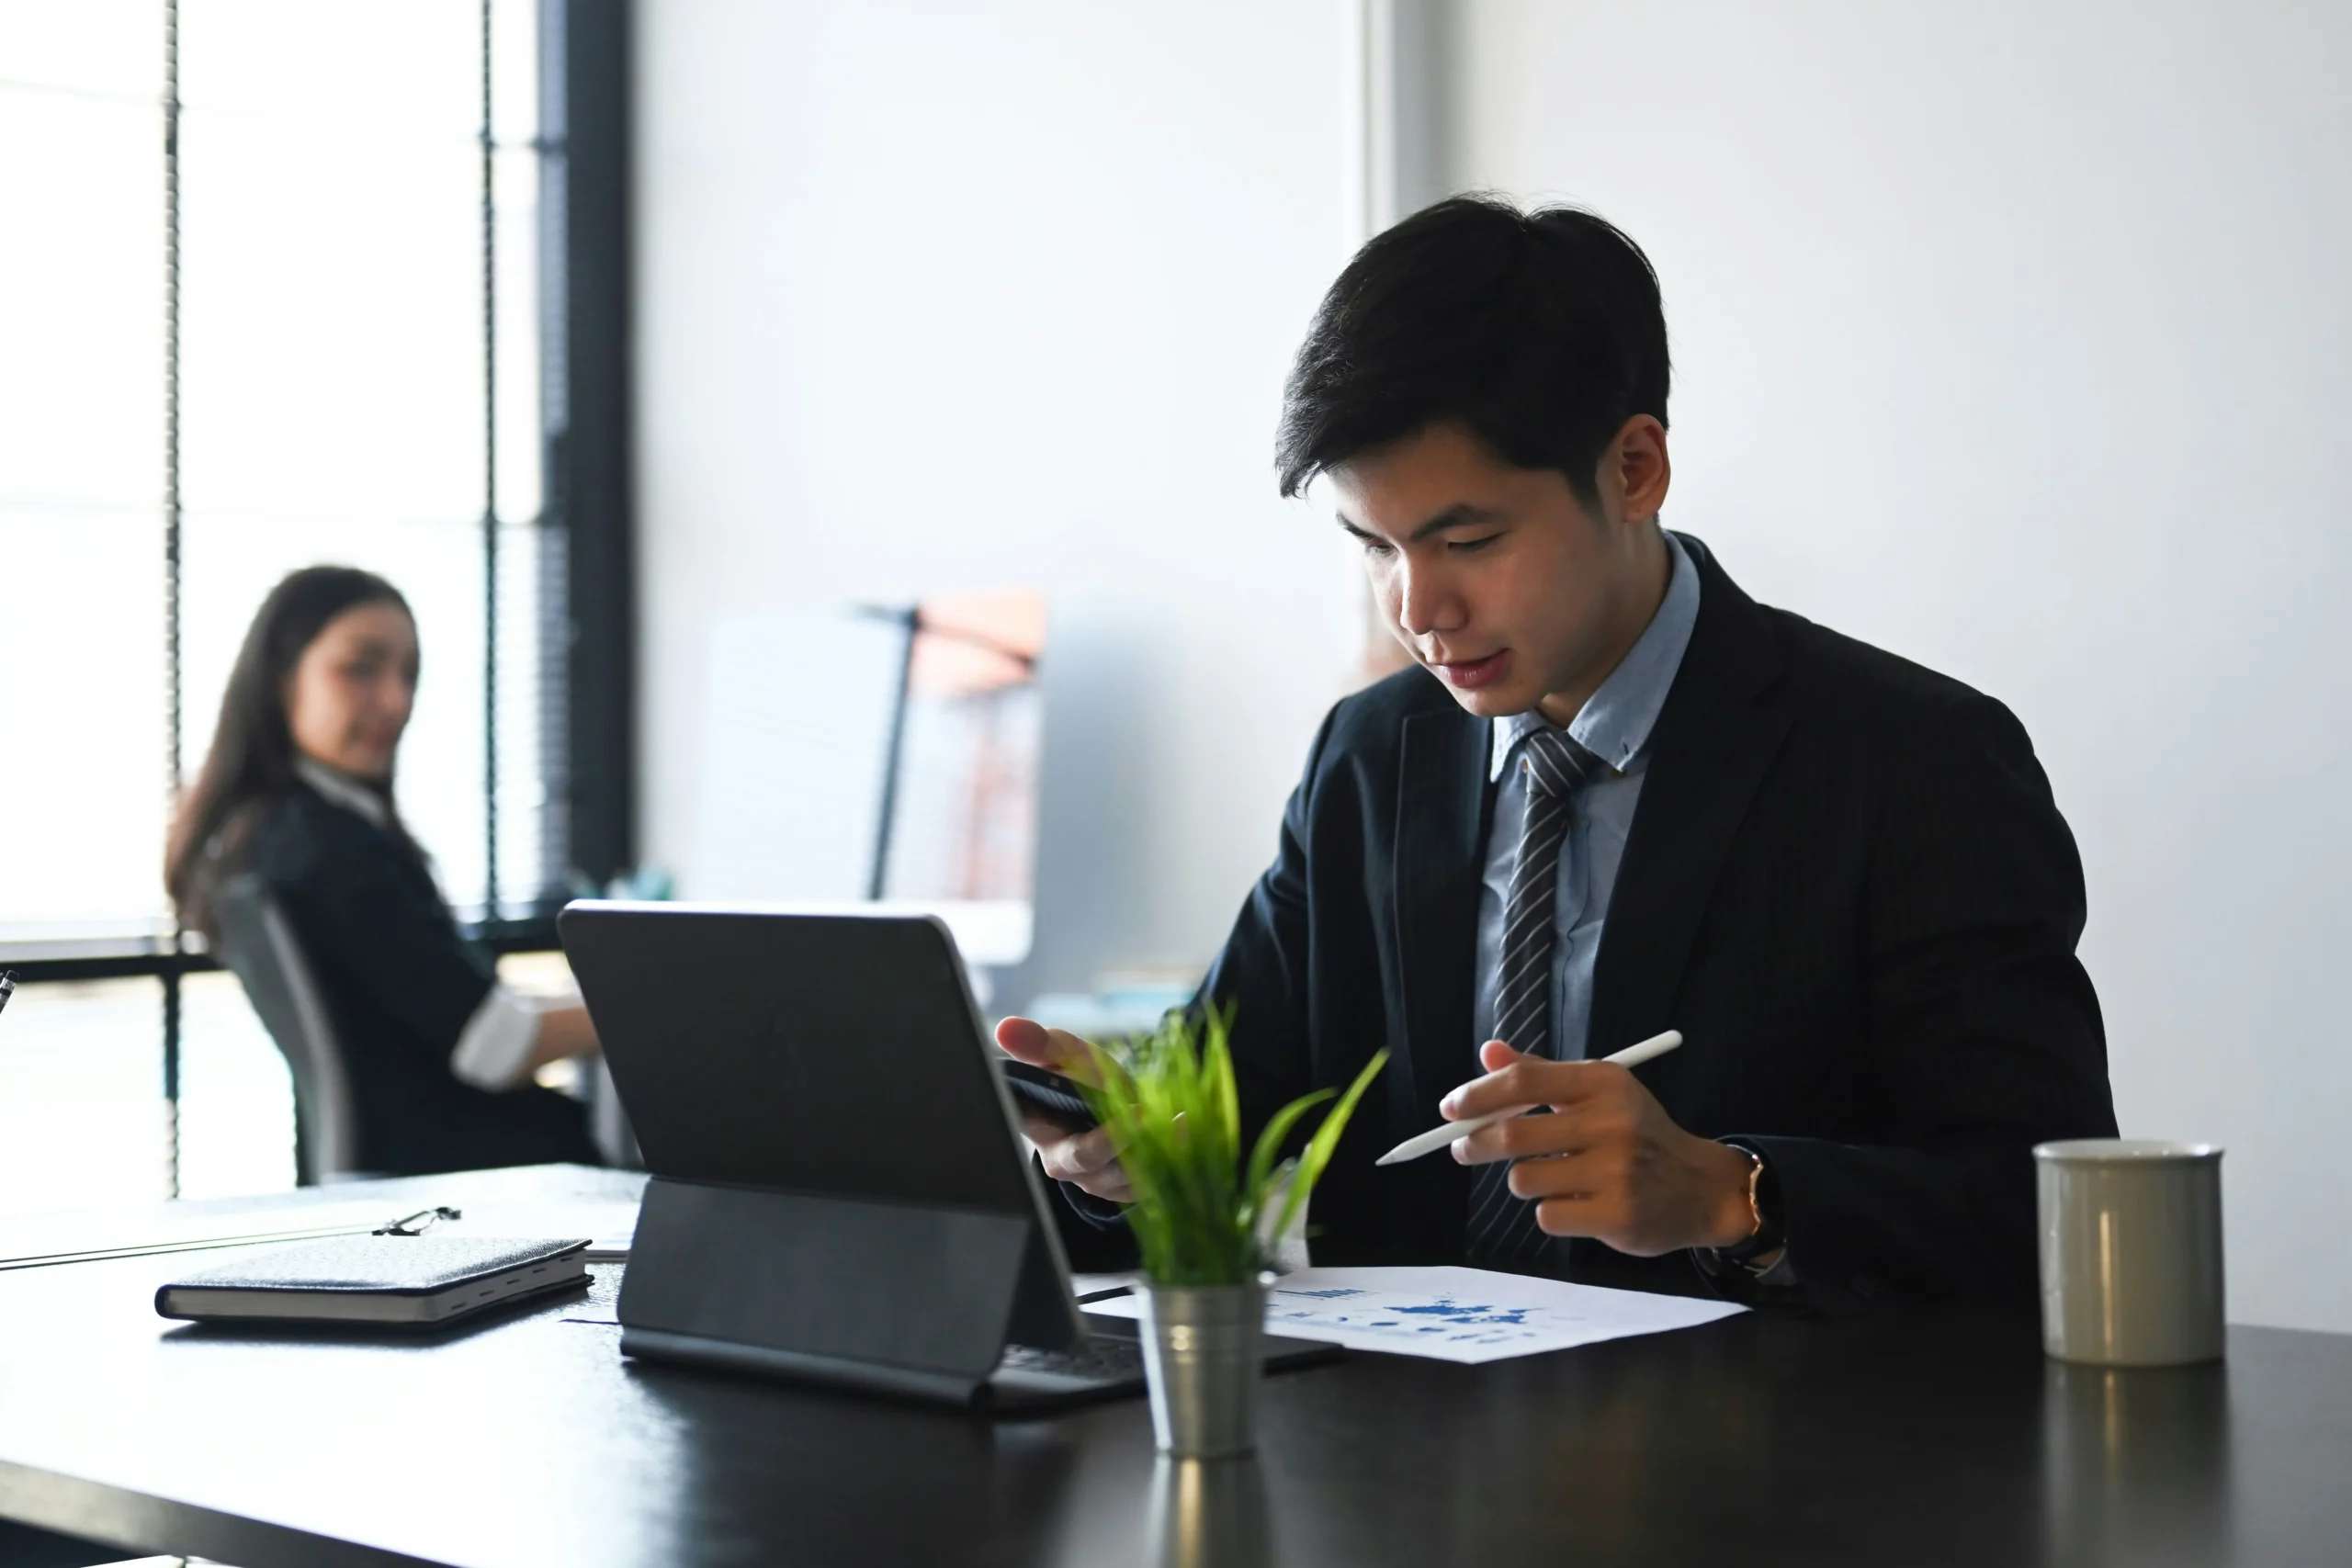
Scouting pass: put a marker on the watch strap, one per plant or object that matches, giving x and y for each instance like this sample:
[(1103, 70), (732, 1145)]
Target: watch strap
[(1771, 1230)]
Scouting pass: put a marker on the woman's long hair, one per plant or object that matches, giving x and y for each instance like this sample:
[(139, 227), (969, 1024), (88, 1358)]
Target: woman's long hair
[(251, 765)]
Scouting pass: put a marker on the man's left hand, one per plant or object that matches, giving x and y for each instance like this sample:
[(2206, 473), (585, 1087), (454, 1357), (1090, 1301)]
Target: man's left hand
[(1607, 1162)]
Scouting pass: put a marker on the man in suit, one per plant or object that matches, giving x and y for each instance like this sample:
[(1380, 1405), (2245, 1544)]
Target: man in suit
[(1615, 795)]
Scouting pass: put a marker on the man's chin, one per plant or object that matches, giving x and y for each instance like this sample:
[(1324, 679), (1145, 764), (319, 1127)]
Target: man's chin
[(1492, 702)]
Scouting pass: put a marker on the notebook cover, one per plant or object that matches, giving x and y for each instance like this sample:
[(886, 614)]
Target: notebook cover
[(375, 1265)]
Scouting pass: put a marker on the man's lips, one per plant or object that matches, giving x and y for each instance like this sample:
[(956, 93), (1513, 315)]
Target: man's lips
[(1470, 674)]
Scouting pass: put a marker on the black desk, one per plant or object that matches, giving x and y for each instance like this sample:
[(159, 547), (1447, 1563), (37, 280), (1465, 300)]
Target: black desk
[(1912, 1437)]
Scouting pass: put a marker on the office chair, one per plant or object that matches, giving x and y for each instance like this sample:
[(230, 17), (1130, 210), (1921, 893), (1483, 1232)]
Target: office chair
[(259, 947)]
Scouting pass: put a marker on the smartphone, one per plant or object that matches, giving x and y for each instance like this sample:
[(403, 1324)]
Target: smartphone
[(1045, 1093)]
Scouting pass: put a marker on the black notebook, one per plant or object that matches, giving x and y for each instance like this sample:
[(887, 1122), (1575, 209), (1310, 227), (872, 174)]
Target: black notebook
[(399, 1279)]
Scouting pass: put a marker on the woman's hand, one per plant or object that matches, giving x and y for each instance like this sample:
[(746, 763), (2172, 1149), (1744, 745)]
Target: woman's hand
[(564, 1031)]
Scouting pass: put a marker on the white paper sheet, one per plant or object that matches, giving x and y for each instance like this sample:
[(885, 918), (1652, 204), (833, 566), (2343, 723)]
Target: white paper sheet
[(32, 1240), (1085, 1285), (36, 1239), (1459, 1315), (611, 1225)]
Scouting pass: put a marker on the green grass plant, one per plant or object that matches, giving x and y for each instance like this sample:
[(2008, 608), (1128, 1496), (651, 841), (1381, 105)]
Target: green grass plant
[(1199, 1215)]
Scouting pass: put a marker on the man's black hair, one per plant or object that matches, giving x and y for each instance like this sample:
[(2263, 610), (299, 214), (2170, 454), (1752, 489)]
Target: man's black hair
[(1540, 332)]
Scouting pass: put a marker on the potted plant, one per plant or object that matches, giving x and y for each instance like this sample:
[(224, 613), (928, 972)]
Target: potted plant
[(1205, 1223)]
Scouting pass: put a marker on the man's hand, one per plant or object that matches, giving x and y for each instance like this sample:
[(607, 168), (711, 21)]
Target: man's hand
[(1609, 1162), (1085, 1158)]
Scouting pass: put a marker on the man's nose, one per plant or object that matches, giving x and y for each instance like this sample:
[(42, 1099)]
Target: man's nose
[(1425, 604)]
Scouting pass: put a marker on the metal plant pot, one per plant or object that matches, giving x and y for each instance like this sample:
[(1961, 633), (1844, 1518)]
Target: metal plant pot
[(1203, 1358)]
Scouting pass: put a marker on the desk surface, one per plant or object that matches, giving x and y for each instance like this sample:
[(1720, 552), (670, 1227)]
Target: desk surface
[(1913, 1437)]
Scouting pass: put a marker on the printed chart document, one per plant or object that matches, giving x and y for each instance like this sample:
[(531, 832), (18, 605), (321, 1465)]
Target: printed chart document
[(1459, 1315)]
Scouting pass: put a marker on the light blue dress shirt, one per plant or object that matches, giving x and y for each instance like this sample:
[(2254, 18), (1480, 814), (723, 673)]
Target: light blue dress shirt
[(1615, 726)]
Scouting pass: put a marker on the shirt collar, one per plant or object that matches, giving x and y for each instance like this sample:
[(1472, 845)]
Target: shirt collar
[(1615, 722), (342, 789)]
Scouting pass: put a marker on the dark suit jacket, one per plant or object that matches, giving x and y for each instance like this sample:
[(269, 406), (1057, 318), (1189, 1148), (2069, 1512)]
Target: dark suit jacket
[(1845, 884), (399, 981)]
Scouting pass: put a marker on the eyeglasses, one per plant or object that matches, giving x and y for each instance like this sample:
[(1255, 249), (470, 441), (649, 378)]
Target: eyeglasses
[(419, 1222)]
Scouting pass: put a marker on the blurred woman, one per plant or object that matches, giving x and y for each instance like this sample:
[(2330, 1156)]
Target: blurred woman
[(297, 791)]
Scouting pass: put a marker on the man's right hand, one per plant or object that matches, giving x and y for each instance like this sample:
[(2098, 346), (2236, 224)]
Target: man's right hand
[(1083, 1158)]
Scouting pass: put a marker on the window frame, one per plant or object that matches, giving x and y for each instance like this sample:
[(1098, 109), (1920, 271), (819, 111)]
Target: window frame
[(588, 631)]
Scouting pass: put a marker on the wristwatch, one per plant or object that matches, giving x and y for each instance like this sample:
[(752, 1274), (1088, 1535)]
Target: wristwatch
[(1771, 1230)]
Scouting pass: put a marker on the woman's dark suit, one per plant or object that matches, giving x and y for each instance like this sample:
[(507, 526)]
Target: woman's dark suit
[(400, 983)]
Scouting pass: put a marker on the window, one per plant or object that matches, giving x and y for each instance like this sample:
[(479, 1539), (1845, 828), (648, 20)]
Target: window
[(81, 579), (290, 281)]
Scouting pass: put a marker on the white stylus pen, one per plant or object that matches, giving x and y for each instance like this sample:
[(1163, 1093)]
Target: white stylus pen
[(1451, 1132)]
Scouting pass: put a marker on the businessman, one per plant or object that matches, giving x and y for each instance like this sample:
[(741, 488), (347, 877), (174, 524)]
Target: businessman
[(1615, 795)]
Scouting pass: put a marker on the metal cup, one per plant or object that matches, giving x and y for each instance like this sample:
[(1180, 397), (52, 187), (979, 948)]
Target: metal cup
[(2130, 1251), (1203, 1356)]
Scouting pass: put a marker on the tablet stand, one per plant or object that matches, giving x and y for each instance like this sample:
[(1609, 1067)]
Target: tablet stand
[(899, 1298)]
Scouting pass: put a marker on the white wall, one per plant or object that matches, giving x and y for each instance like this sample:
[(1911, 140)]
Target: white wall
[(2017, 337), (936, 295)]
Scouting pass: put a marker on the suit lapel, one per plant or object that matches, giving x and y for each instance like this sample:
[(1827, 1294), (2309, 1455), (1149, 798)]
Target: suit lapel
[(1713, 745), (1440, 827)]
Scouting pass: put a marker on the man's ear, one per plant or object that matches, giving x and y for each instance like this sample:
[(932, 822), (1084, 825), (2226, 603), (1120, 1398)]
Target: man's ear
[(1636, 468)]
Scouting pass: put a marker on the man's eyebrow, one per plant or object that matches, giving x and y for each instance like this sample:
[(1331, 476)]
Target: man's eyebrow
[(1463, 515)]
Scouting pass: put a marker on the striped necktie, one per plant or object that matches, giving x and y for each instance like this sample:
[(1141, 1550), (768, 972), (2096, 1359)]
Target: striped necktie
[(1502, 1227)]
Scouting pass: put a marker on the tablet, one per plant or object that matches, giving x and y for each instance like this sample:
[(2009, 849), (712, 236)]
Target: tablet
[(840, 1191)]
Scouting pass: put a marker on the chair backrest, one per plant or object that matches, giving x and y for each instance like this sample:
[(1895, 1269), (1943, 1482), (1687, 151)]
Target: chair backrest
[(259, 946)]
